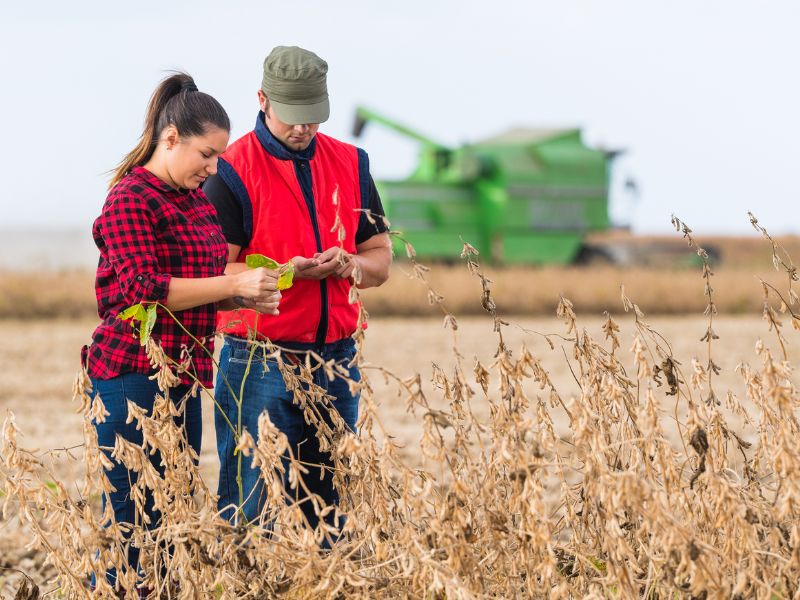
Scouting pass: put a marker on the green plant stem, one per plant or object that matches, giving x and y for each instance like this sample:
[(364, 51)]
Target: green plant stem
[(239, 400)]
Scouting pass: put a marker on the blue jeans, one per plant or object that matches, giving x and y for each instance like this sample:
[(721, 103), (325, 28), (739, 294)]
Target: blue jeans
[(266, 390), (115, 394)]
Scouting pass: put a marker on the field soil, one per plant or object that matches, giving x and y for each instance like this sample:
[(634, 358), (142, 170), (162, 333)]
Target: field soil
[(40, 361)]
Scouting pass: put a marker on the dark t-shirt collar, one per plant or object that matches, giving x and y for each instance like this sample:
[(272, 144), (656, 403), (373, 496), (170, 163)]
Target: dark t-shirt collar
[(275, 148)]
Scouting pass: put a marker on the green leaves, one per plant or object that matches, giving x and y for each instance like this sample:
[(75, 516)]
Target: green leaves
[(254, 261), (285, 270), (148, 324), (286, 276), (137, 312), (146, 317)]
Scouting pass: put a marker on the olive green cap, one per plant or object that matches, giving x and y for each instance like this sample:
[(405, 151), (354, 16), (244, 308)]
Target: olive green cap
[(295, 81)]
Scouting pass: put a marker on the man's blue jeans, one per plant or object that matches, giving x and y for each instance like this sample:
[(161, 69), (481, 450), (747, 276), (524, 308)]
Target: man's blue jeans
[(115, 394), (266, 390)]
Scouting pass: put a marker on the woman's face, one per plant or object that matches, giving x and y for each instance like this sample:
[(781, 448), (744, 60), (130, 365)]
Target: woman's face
[(189, 160)]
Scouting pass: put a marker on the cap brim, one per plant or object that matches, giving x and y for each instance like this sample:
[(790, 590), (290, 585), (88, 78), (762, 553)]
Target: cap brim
[(302, 114)]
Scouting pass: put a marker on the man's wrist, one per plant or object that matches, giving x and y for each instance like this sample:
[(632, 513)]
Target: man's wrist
[(358, 272)]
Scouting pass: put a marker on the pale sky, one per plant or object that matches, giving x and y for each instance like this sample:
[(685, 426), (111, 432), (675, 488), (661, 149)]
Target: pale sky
[(704, 94)]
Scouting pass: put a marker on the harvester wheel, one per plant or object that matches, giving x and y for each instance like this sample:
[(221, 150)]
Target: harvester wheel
[(593, 256)]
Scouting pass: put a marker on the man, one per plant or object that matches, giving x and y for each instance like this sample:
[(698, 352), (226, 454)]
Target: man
[(288, 192)]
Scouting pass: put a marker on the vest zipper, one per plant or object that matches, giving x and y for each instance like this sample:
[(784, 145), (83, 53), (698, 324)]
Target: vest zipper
[(303, 171)]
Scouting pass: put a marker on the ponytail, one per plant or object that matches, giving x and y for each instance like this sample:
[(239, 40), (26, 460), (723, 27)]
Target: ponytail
[(177, 102)]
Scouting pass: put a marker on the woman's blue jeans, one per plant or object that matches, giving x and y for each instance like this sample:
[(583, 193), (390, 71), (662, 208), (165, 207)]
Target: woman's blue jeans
[(265, 390), (115, 394)]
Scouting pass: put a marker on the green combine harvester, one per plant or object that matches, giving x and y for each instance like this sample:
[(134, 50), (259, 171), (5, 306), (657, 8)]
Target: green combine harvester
[(529, 196)]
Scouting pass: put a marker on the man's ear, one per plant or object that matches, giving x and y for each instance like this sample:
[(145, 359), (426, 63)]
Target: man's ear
[(263, 100), (171, 136)]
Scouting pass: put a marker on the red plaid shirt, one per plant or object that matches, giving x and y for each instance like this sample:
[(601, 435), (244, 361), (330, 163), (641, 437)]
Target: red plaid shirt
[(147, 233)]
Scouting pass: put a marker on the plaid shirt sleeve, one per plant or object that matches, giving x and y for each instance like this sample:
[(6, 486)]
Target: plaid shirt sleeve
[(127, 229)]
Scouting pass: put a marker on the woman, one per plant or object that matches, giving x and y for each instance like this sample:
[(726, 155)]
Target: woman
[(160, 241)]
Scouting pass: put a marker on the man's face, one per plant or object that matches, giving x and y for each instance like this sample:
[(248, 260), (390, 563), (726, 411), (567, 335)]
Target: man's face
[(294, 137)]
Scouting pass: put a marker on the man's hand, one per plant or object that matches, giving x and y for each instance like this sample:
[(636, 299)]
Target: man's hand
[(347, 268), (322, 264), (345, 262)]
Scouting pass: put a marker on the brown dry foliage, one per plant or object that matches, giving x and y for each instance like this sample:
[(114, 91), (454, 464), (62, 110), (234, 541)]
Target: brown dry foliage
[(634, 515), (518, 290), (29, 295)]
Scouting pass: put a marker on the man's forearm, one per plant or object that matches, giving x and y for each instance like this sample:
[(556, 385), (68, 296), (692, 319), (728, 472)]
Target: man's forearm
[(374, 266)]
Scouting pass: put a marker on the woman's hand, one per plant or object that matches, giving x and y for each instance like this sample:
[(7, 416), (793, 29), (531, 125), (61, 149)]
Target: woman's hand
[(257, 289)]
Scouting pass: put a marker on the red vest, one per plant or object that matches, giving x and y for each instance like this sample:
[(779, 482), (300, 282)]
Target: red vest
[(283, 228)]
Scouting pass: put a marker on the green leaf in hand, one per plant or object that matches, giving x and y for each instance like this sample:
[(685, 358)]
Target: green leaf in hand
[(285, 276), (254, 261), (285, 270)]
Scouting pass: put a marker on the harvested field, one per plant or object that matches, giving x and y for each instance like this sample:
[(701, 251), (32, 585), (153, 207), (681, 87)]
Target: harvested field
[(496, 457), (522, 291), (40, 359)]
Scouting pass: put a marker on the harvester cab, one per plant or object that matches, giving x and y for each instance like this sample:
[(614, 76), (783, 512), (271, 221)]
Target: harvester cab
[(527, 196)]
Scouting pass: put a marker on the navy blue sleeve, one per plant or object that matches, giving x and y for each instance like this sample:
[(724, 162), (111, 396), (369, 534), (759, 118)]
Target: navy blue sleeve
[(227, 193), (370, 223)]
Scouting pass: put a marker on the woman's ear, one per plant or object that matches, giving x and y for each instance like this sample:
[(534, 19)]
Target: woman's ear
[(170, 136)]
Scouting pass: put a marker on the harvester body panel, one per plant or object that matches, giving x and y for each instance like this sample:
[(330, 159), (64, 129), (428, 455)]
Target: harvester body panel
[(527, 196)]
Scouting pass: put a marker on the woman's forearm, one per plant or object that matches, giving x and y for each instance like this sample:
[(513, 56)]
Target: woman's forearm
[(257, 288), (190, 292)]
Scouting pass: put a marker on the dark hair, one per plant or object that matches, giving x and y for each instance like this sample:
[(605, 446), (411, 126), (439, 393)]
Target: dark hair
[(177, 102)]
